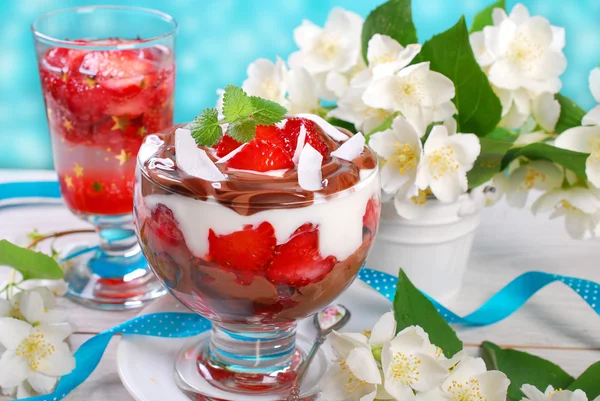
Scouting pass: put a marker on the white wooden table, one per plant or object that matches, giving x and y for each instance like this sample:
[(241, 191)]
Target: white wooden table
[(555, 324)]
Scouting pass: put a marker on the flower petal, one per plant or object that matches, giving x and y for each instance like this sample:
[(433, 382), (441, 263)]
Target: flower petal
[(579, 225), (466, 147), (332, 384), (546, 111), (41, 383), (57, 332), (532, 393), (383, 143), (399, 390), (384, 330), (498, 15), (578, 139), (438, 89), (380, 94), (592, 117), (411, 339), (465, 371), (343, 343), (381, 48), (59, 363), (433, 395), (448, 187), (306, 35), (407, 55), (594, 81), (493, 385), (32, 307), (12, 332), (519, 14), (503, 75), (405, 205), (13, 369), (583, 199), (592, 169), (431, 373), (362, 364), (4, 308)]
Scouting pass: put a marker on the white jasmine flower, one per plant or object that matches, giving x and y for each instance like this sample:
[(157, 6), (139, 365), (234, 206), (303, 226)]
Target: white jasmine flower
[(525, 52), (528, 138), (410, 91), (400, 150), (578, 205), (593, 116), (337, 83), (533, 394), (409, 203), (470, 380), (546, 110), (23, 390), (386, 56), (586, 140), (336, 47), (36, 354), (355, 378), (35, 306), (351, 108), (446, 161), (267, 80), (489, 193), (409, 363), (303, 92), (538, 174)]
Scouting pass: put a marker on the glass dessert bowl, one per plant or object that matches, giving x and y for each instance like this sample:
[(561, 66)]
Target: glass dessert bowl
[(245, 245), (106, 84)]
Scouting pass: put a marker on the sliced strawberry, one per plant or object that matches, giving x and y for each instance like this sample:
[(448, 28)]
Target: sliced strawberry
[(298, 262), (111, 64), (274, 135), (166, 226), (371, 216), (245, 251), (259, 155), (314, 135), (226, 146)]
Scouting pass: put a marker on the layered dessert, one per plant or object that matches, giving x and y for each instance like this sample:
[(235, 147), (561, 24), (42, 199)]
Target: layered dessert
[(101, 102), (264, 232)]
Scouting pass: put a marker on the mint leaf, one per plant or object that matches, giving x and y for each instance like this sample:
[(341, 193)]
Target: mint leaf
[(266, 112), (393, 19), (570, 114), (236, 104), (31, 264), (588, 382), (523, 368), (205, 128), (484, 17), (574, 161), (489, 162), (412, 308), (502, 134), (243, 130), (450, 54)]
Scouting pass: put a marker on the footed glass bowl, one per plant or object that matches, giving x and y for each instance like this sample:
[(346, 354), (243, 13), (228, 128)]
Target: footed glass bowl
[(253, 253)]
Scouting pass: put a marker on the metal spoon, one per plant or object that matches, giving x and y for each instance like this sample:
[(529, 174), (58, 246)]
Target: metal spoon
[(334, 317)]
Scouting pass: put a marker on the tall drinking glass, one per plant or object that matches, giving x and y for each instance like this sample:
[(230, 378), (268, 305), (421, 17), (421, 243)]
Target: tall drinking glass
[(107, 75)]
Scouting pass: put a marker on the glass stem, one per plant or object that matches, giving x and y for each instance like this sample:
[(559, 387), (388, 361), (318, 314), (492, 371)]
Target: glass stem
[(118, 241), (251, 349)]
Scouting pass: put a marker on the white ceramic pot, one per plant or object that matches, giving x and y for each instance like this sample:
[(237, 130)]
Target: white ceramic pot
[(433, 249)]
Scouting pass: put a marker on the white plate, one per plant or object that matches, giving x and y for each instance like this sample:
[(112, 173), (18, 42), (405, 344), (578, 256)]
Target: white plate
[(145, 364)]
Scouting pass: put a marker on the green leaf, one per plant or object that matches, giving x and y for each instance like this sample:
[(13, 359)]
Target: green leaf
[(393, 19), (266, 112), (574, 161), (412, 308), (31, 264), (205, 128), (570, 114), (243, 130), (523, 368), (502, 134), (588, 382), (236, 104), (484, 17), (336, 122), (450, 53), (489, 162)]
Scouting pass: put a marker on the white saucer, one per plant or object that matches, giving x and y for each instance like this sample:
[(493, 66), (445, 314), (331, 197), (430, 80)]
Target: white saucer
[(146, 364)]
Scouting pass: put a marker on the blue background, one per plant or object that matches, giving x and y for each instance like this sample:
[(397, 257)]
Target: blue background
[(219, 38)]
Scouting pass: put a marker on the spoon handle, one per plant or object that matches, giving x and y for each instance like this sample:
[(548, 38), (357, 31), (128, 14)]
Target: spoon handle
[(295, 391)]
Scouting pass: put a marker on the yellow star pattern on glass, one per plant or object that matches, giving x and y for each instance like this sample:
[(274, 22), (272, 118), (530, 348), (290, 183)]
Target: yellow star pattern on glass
[(142, 131), (120, 123), (64, 76), (68, 125), (123, 157), (78, 170), (69, 181), (90, 81)]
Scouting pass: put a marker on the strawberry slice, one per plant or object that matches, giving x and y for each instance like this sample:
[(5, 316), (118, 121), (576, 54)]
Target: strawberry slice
[(246, 251), (298, 262), (166, 226), (371, 216), (226, 146), (315, 136), (274, 135), (259, 155)]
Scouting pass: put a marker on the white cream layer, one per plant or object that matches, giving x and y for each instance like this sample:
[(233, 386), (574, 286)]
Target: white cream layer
[(340, 219)]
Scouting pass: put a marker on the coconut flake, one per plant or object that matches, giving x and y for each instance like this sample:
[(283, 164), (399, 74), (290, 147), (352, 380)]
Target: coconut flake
[(193, 160), (229, 155), (327, 127), (299, 144), (149, 147), (350, 149), (309, 169)]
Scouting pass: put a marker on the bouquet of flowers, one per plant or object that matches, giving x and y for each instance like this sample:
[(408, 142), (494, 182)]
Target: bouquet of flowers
[(469, 114)]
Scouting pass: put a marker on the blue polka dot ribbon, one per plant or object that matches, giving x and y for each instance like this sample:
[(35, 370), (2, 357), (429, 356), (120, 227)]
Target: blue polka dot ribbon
[(178, 325)]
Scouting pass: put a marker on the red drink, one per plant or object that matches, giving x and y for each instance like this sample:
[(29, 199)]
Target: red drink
[(100, 106)]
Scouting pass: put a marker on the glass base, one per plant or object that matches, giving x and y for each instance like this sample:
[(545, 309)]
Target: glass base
[(101, 281), (203, 375)]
